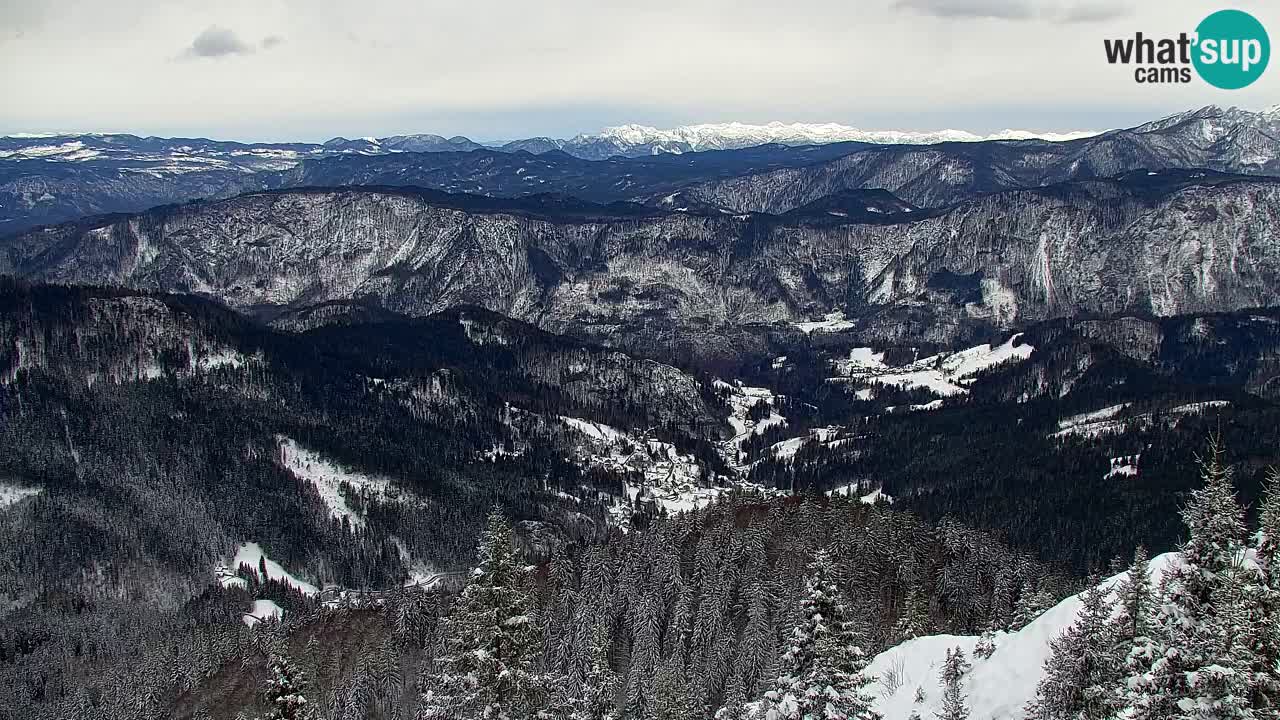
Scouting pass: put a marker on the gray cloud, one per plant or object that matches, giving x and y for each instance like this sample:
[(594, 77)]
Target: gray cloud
[(271, 41), (216, 42), (997, 9), (1015, 10), (1094, 13)]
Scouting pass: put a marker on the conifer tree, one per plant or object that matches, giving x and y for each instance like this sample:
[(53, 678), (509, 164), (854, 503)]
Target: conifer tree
[(914, 618), (1267, 668), (1134, 599), (1082, 669), (735, 701), (284, 690), (757, 650), (1177, 672), (954, 702), (823, 666), (1032, 602), (488, 665)]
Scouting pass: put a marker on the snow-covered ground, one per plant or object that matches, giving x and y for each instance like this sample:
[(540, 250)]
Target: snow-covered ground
[(482, 333), (859, 490), (328, 477), (262, 610), (672, 480), (13, 494), (944, 374), (999, 686), (831, 322), (741, 399), (1124, 466), (250, 553), (832, 437), (1111, 420)]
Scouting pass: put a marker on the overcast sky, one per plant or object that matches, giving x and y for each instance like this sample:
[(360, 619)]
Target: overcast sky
[(313, 69)]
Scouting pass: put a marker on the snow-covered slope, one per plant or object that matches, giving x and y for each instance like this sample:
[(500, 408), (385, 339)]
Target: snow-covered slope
[(945, 374), (331, 480), (732, 135), (999, 686), (13, 494), (251, 554)]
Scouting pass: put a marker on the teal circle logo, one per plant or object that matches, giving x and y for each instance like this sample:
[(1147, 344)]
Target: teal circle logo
[(1232, 49)]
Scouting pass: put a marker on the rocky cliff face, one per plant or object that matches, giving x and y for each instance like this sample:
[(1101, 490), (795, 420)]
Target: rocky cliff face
[(1161, 244)]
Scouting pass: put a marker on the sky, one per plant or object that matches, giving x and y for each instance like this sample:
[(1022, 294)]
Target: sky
[(308, 70)]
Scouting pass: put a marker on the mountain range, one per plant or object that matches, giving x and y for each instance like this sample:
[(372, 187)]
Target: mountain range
[(258, 401), (1158, 243), (51, 179)]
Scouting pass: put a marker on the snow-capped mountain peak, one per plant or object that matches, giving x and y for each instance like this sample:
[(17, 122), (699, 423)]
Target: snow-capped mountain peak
[(724, 136)]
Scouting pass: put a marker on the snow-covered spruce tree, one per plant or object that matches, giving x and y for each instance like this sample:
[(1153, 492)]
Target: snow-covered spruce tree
[(488, 664), (284, 690), (986, 646), (1223, 687), (1179, 673), (955, 705), (758, 648), (1267, 669), (1134, 628), (823, 666), (913, 620), (675, 696), (1134, 600), (591, 692), (1032, 602), (735, 701), (1083, 667)]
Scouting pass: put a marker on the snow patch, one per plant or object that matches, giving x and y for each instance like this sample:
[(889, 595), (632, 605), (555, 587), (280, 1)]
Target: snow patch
[(261, 611), (831, 322), (14, 494), (482, 334), (328, 479), (251, 554)]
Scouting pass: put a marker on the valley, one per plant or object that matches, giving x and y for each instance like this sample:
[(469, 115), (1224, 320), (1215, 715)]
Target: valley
[(652, 398)]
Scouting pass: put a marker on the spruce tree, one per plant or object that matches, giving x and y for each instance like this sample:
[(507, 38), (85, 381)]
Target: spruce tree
[(1082, 669), (1177, 672), (955, 704), (488, 666), (823, 666), (1266, 672), (735, 701), (284, 690), (1134, 599), (913, 621)]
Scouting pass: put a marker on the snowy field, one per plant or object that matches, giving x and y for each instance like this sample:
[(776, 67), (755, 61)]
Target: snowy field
[(944, 374)]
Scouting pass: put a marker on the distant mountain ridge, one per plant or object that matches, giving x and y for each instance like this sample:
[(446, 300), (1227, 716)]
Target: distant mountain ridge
[(631, 140), (1228, 140), (50, 179), (734, 135)]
